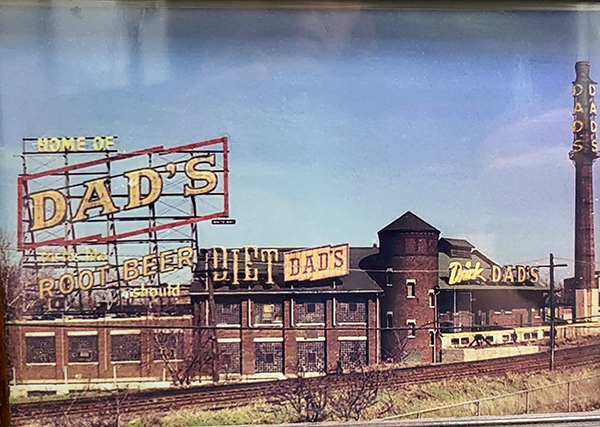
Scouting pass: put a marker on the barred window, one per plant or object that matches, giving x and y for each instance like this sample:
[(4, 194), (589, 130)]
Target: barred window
[(353, 353), (125, 348), (227, 313), (309, 312), (83, 348), (410, 288), (311, 356), (389, 319), (230, 357), (352, 311), (40, 349), (412, 328), (389, 276), (431, 298), (168, 345), (268, 313), (268, 357)]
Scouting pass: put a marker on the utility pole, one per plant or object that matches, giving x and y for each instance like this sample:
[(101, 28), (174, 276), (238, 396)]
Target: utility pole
[(552, 266), (212, 334), (4, 391)]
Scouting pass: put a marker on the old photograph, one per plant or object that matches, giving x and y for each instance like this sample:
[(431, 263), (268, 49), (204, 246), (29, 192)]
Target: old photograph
[(245, 214)]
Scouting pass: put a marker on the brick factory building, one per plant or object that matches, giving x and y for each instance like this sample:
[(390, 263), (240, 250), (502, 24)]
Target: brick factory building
[(399, 301), (281, 328), (400, 288)]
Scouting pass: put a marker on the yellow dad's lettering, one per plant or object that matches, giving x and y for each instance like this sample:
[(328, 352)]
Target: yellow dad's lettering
[(58, 205), (523, 274), (50, 206), (134, 178), (577, 126), (202, 175), (96, 196)]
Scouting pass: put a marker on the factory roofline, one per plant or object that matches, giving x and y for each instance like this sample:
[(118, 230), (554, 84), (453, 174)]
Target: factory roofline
[(360, 279), (409, 222), (501, 286), (459, 243)]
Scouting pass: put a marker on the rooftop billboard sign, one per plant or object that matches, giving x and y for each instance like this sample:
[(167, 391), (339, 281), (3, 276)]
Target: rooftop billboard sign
[(44, 213), (316, 263), (98, 226)]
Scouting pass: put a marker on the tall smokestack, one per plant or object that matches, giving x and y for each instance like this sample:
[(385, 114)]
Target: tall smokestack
[(583, 154)]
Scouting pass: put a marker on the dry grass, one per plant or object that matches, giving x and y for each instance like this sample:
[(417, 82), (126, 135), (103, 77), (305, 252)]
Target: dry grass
[(584, 395), (259, 413)]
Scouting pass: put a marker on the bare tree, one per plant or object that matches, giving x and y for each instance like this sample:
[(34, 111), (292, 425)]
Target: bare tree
[(19, 295), (399, 354), (183, 367)]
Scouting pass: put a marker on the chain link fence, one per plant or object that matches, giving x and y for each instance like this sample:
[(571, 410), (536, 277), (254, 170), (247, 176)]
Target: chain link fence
[(575, 395)]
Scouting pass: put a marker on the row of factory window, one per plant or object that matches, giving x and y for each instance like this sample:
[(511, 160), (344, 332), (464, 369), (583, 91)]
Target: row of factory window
[(503, 338), (268, 356), (304, 312), (83, 348), (268, 353)]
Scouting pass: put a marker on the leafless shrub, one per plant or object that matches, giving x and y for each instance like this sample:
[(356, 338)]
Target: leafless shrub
[(306, 398), (337, 396), (358, 392)]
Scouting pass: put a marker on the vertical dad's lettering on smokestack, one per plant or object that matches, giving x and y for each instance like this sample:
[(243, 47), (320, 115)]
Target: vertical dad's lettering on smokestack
[(583, 154), (584, 114)]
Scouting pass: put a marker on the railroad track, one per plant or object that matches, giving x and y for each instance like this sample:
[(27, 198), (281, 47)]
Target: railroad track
[(232, 395)]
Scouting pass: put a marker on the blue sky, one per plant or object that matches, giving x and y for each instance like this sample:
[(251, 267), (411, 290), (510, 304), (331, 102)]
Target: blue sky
[(339, 120)]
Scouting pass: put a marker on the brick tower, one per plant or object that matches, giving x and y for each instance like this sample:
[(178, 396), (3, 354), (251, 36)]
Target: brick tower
[(409, 255), (583, 154)]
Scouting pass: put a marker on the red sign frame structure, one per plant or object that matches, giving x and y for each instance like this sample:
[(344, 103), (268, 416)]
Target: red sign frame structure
[(219, 145)]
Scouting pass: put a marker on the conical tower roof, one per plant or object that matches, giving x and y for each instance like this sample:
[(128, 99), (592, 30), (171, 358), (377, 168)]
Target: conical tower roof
[(409, 222)]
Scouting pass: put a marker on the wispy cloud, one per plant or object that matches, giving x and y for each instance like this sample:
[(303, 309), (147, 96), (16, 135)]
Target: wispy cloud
[(553, 156), (536, 141)]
